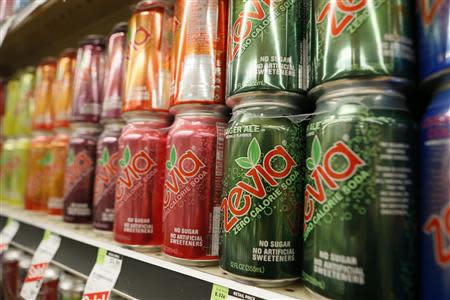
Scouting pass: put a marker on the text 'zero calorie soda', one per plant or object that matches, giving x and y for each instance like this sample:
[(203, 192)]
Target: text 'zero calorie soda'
[(139, 187), (266, 47), (199, 52), (42, 118), (434, 37), (362, 38), (359, 219), (106, 172), (80, 174), (89, 80), (435, 200), (39, 169), (114, 73), (63, 87), (148, 64), (262, 192), (193, 187)]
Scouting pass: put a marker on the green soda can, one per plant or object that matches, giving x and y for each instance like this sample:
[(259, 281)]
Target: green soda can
[(262, 192), (12, 97), (362, 38), (265, 46), (22, 111), (6, 170), (19, 157), (359, 219)]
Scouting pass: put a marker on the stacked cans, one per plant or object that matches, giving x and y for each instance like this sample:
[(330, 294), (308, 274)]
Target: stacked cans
[(434, 39), (262, 194), (360, 188)]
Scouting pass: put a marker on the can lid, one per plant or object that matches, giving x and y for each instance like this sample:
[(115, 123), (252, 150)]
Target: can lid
[(114, 125), (68, 283), (68, 52), (142, 116), (11, 255), (85, 128), (30, 69), (25, 262), (200, 109), (48, 60), (52, 273), (295, 101), (93, 39), (147, 4), (356, 86), (120, 27)]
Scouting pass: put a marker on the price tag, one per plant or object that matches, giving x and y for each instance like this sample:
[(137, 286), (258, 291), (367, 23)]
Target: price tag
[(8, 233), (103, 276), (222, 293), (39, 264)]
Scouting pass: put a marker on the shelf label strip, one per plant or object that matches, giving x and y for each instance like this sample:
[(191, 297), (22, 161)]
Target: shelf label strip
[(8, 233), (219, 292)]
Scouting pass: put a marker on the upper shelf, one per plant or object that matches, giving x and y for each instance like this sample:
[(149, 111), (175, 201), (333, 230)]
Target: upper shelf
[(47, 27)]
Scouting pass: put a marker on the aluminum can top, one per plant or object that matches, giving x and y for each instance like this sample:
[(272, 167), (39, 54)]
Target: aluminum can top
[(70, 284), (93, 39), (147, 4), (25, 262), (52, 273), (68, 52), (120, 27), (140, 116), (199, 109), (11, 255), (86, 127), (252, 99)]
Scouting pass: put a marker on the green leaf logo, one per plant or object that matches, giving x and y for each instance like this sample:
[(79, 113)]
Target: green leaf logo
[(47, 159), (310, 164), (253, 156), (103, 161), (126, 158), (316, 151), (173, 158), (70, 157)]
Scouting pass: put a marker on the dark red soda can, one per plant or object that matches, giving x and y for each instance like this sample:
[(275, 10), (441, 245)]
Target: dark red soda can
[(139, 187), (193, 185), (106, 171), (114, 73), (89, 80), (80, 173), (10, 273)]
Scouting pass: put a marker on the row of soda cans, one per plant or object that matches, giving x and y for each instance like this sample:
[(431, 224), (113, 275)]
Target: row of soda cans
[(352, 171)]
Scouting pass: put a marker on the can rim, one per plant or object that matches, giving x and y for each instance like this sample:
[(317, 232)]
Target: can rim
[(147, 4), (48, 60), (52, 273), (199, 109), (120, 27), (12, 254), (68, 52), (438, 82), (269, 98), (93, 39), (88, 127), (143, 116)]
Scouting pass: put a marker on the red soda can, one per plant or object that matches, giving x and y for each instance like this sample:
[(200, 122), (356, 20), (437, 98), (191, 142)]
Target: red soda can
[(140, 184), (199, 52), (106, 171), (10, 273), (148, 61), (80, 174), (58, 148), (89, 80), (42, 117), (193, 185), (49, 287), (114, 73), (39, 170), (63, 87)]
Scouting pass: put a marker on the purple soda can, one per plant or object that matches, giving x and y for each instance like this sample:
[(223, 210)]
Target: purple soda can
[(89, 80), (106, 172), (114, 73), (80, 173)]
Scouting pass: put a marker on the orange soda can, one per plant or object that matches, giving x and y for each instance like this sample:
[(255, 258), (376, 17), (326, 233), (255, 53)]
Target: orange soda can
[(63, 87), (199, 52), (42, 118), (58, 148), (39, 163), (148, 62)]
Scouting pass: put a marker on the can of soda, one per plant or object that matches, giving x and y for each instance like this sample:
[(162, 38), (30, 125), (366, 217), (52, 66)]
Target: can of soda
[(435, 200), (262, 191), (89, 80), (39, 170), (148, 72), (360, 193), (434, 38), (140, 184), (22, 113), (18, 166), (49, 287), (266, 46), (58, 148), (199, 52), (70, 288), (63, 87), (114, 73), (80, 174), (106, 172), (42, 117), (12, 98), (361, 38), (10, 273), (8, 164), (193, 186)]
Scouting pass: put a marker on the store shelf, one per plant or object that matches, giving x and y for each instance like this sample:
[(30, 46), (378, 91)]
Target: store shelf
[(143, 276), (45, 27)]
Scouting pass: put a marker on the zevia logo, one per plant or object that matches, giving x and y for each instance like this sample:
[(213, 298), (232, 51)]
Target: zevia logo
[(135, 171), (107, 170), (77, 166), (439, 227), (184, 173), (325, 173), (346, 7), (239, 200), (428, 9)]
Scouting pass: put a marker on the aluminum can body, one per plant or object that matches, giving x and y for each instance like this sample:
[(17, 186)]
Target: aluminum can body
[(360, 195), (435, 199), (262, 192), (193, 187), (80, 174), (199, 52), (12, 98), (22, 116), (89, 80), (361, 38), (43, 115), (10, 273), (148, 72), (106, 172), (139, 187)]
